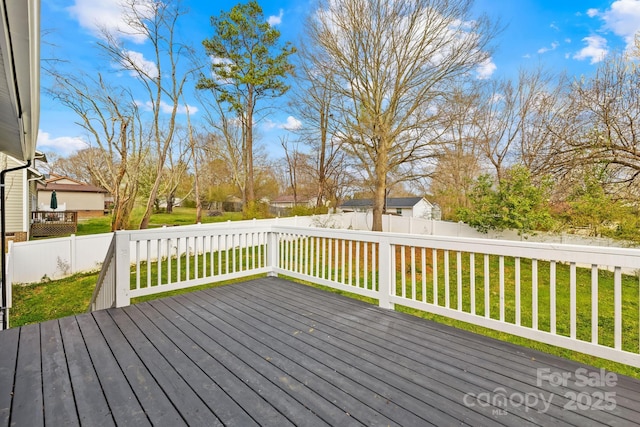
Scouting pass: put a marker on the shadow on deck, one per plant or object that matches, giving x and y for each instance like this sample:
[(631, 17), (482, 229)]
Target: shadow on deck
[(272, 352)]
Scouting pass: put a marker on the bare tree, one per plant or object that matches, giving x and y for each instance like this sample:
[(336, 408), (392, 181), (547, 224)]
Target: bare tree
[(460, 161), (77, 165), (226, 141), (292, 165), (499, 123), (602, 122), (392, 61), (119, 144), (162, 78), (196, 154), (515, 119), (314, 98)]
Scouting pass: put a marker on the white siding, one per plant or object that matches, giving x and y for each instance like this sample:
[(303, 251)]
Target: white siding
[(74, 201), (15, 196), (422, 209)]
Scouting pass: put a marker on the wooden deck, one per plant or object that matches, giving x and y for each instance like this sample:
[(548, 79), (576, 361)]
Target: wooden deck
[(272, 352)]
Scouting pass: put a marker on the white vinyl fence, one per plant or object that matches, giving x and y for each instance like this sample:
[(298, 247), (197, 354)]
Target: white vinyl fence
[(39, 260)]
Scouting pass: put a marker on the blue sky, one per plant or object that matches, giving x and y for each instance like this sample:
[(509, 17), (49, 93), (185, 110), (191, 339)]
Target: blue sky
[(571, 35)]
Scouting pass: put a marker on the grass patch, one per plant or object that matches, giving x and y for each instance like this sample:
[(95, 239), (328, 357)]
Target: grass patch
[(94, 226), (180, 216), (38, 302)]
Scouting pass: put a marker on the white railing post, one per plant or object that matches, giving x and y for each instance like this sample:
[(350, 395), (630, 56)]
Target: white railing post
[(385, 271), (272, 253), (122, 269)]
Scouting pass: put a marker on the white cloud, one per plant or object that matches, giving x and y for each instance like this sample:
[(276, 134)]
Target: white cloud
[(486, 69), (135, 60), (292, 124), (567, 40), (592, 12), (108, 15), (553, 46), (554, 26), (276, 20), (623, 19), (596, 49), (63, 145)]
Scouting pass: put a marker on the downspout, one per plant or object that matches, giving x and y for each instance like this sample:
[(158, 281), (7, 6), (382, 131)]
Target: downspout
[(3, 238)]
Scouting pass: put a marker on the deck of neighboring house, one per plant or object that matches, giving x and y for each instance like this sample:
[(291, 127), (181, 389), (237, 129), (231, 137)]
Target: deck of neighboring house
[(273, 352)]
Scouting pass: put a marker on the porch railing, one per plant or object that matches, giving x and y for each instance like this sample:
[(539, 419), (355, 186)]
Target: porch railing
[(581, 298), (53, 223)]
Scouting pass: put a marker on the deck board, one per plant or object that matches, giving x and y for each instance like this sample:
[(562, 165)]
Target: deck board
[(27, 388), (8, 355), (275, 353), (59, 406), (91, 404)]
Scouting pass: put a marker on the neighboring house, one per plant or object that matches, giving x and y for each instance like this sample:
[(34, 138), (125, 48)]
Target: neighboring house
[(288, 202), (88, 200), (417, 207), (283, 205), (20, 197)]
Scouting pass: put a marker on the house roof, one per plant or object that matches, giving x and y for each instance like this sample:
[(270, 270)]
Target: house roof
[(54, 178), (392, 202), (80, 188), (19, 77)]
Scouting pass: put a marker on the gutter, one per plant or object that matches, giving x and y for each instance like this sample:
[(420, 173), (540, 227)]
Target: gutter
[(3, 238)]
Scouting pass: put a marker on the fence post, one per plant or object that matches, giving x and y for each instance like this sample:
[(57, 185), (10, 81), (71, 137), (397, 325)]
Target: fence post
[(72, 255), (272, 250), (385, 270), (272, 253), (123, 269)]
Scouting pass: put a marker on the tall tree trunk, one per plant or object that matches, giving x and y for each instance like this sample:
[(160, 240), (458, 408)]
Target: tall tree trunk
[(171, 196), (380, 191), (378, 205), (322, 174), (250, 196)]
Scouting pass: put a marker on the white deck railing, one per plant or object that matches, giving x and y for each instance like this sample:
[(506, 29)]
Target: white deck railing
[(578, 297)]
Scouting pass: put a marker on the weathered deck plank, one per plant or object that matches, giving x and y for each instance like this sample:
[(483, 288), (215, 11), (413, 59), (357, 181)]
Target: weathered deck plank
[(275, 353), (27, 405), (90, 401), (8, 355), (59, 405)]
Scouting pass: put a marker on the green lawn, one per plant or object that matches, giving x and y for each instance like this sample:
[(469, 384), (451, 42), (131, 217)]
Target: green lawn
[(180, 216)]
